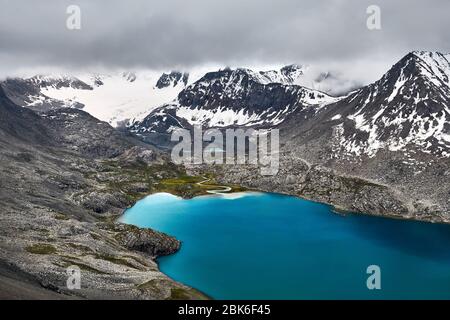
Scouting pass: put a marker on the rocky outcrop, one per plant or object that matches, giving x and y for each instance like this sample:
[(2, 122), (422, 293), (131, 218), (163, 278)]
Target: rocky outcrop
[(27, 92), (172, 79), (145, 240), (103, 202), (136, 153)]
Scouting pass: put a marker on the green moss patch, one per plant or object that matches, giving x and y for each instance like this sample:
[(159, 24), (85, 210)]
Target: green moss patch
[(61, 216), (116, 260), (80, 247), (41, 248)]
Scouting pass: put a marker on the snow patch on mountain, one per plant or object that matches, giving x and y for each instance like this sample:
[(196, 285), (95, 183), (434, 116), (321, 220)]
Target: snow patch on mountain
[(117, 98), (421, 131), (240, 97), (408, 108), (222, 117), (435, 67), (122, 98)]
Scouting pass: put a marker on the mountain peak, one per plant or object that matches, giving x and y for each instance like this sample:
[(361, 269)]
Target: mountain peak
[(59, 81), (172, 79), (292, 70), (423, 54), (287, 75), (434, 66), (407, 108), (129, 76)]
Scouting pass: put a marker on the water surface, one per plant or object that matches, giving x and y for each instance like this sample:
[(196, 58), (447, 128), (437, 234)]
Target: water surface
[(271, 246)]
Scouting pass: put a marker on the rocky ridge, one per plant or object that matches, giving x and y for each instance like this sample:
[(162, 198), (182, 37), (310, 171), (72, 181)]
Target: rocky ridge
[(62, 188)]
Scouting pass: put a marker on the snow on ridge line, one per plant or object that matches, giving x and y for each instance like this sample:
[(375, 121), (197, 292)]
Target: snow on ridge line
[(426, 131), (223, 116), (124, 97), (435, 67), (447, 56), (120, 97)]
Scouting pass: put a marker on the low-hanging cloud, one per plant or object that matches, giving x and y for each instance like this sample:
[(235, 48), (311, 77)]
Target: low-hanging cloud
[(177, 34)]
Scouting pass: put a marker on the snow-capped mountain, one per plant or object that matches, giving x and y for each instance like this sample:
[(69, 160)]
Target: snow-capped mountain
[(120, 98), (408, 108), (317, 78), (238, 97), (290, 74), (115, 98), (27, 92), (394, 133), (172, 79)]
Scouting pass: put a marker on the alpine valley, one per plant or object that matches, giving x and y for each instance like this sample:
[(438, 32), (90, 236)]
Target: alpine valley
[(76, 150)]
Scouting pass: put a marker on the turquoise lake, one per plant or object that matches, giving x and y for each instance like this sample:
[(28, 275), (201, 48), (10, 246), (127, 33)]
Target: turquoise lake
[(271, 246)]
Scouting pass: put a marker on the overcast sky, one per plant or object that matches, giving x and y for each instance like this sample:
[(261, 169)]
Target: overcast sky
[(180, 34)]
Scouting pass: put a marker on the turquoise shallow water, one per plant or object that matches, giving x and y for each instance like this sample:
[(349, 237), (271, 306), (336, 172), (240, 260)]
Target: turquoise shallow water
[(270, 246)]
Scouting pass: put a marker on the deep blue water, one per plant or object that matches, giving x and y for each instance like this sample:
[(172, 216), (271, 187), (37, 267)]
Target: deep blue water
[(270, 246)]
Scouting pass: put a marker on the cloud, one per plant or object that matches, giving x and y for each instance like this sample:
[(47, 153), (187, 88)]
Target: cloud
[(181, 34)]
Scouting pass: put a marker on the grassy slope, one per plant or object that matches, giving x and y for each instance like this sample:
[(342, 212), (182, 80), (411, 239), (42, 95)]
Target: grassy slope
[(156, 178)]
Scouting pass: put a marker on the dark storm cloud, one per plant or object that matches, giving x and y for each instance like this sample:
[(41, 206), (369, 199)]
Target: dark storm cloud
[(183, 33)]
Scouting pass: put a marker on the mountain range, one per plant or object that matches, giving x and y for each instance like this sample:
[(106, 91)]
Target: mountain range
[(76, 150), (395, 131), (119, 98)]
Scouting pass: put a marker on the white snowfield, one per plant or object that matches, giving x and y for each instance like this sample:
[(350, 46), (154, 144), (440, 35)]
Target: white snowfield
[(118, 100)]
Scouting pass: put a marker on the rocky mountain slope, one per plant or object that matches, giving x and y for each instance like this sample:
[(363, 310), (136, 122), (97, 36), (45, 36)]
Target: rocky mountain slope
[(383, 149), (409, 107), (64, 178), (392, 136), (393, 132), (119, 98), (407, 112), (230, 98)]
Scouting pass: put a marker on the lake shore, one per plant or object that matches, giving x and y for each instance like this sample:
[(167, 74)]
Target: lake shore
[(254, 225)]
